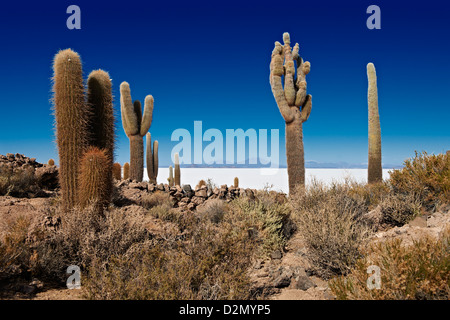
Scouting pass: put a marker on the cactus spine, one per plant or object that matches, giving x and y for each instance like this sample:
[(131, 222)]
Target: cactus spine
[(117, 171), (375, 171), (236, 182), (152, 159), (293, 102), (94, 179), (126, 171), (71, 114), (170, 179), (136, 125), (177, 170)]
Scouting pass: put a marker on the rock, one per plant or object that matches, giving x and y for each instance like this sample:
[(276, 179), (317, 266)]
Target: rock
[(187, 190), (160, 187), (47, 177), (283, 278), (276, 254), (258, 264), (304, 283), (151, 187), (201, 192), (197, 200)]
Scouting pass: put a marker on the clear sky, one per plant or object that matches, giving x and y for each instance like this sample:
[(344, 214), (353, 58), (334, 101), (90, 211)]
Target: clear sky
[(209, 61)]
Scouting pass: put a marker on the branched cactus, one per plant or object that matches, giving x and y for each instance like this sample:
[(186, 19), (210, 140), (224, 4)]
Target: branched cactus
[(71, 114), (126, 171), (117, 171), (94, 179), (293, 102), (51, 162), (236, 182), (170, 179), (375, 171), (177, 170), (136, 126), (152, 159)]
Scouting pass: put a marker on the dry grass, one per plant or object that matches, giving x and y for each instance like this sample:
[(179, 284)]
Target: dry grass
[(420, 271)]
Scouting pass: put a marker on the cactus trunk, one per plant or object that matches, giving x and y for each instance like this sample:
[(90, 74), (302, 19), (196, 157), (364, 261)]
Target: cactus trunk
[(71, 120), (126, 171), (295, 154), (375, 171), (177, 170), (152, 159), (136, 158)]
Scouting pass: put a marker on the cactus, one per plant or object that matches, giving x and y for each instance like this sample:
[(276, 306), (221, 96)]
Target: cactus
[(136, 125), (152, 159), (293, 102), (177, 170), (200, 184), (71, 114), (117, 171), (126, 171), (51, 162), (170, 179), (375, 172), (236, 182), (101, 118), (94, 179)]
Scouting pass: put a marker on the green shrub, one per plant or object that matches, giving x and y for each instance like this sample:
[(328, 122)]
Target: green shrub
[(17, 181), (425, 175)]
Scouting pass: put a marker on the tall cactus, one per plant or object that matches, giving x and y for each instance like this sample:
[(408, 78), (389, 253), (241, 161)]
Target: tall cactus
[(293, 102), (136, 125), (94, 179), (101, 119), (117, 171), (71, 112), (152, 159), (375, 171), (170, 179), (177, 170), (236, 182), (126, 171)]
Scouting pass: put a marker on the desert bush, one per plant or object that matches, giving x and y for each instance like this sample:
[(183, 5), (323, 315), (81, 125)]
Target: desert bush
[(372, 194), (419, 271), (425, 175), (207, 264), (17, 181), (159, 198), (213, 210), (399, 209), (265, 219), (329, 219)]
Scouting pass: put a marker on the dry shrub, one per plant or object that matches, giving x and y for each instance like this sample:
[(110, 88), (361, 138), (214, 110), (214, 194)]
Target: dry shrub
[(329, 219), (264, 218), (371, 194), (213, 210), (425, 175), (18, 181), (207, 264), (160, 206), (399, 209), (419, 271), (82, 237)]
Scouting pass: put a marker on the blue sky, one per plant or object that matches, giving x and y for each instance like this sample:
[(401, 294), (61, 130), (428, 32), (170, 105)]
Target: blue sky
[(209, 61)]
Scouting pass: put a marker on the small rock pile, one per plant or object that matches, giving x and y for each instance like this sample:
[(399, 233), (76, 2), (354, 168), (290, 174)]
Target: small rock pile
[(183, 197), (18, 160)]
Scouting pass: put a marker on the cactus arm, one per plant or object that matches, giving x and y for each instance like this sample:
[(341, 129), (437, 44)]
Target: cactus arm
[(276, 71), (129, 119), (306, 108), (289, 88), (138, 112), (148, 115), (375, 172)]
